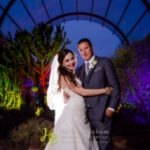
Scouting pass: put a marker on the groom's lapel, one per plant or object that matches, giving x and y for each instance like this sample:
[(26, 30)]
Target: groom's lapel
[(91, 71), (83, 72)]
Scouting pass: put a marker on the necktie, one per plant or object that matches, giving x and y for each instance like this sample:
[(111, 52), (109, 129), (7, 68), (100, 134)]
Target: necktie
[(87, 69)]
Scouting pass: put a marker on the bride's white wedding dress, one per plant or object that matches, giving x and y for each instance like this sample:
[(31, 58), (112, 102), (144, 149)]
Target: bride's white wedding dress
[(71, 130)]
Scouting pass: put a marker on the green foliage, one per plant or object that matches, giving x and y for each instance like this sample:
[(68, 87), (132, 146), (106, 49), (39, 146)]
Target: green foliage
[(125, 59), (10, 92), (28, 56), (36, 48), (132, 63)]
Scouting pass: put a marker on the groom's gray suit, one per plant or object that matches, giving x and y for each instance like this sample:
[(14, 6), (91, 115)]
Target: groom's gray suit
[(100, 76)]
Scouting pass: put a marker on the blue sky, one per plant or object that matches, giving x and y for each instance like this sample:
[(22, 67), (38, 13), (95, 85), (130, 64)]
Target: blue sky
[(104, 42)]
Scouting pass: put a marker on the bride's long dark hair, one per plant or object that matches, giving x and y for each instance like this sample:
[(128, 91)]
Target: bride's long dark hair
[(62, 70)]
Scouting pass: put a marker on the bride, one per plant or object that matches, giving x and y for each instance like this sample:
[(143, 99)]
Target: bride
[(71, 129)]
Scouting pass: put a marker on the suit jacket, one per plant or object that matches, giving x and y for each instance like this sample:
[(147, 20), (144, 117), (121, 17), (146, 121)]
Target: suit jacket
[(101, 75)]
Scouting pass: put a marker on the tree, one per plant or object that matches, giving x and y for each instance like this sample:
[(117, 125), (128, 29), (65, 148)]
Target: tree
[(28, 55)]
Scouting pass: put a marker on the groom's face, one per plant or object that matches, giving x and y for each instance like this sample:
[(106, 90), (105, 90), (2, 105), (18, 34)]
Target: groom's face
[(85, 51)]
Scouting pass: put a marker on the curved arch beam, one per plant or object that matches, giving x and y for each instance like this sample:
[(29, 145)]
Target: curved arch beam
[(93, 15), (147, 4), (4, 14)]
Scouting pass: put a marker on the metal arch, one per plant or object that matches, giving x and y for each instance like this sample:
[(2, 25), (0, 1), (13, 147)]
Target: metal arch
[(123, 13), (5, 11), (125, 37), (45, 8), (137, 22), (77, 9), (93, 15), (92, 8), (147, 4), (11, 18), (107, 10), (28, 12), (62, 10)]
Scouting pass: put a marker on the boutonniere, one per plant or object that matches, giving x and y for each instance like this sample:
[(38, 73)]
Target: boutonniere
[(93, 63)]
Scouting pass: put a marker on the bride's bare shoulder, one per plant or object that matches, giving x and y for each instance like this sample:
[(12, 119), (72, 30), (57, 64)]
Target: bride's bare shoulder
[(62, 82)]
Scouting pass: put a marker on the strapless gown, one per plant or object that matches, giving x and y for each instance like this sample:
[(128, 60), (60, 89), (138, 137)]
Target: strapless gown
[(71, 130)]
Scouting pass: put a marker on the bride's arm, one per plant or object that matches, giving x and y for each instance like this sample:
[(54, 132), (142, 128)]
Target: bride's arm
[(91, 92), (88, 92)]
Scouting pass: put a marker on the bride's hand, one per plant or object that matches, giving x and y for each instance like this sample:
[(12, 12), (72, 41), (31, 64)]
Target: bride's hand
[(108, 90), (76, 89)]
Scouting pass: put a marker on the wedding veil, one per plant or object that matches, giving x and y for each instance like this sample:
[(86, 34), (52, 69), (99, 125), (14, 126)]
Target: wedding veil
[(53, 83)]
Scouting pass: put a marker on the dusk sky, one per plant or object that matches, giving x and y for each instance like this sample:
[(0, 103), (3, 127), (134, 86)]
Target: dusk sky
[(104, 42)]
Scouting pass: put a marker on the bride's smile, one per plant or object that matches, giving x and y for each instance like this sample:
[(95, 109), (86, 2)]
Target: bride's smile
[(69, 62)]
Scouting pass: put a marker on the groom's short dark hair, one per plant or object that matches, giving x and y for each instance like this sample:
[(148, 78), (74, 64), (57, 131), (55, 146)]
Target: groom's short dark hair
[(85, 40)]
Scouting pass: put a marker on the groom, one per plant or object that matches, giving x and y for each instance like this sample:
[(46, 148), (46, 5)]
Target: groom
[(99, 72)]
